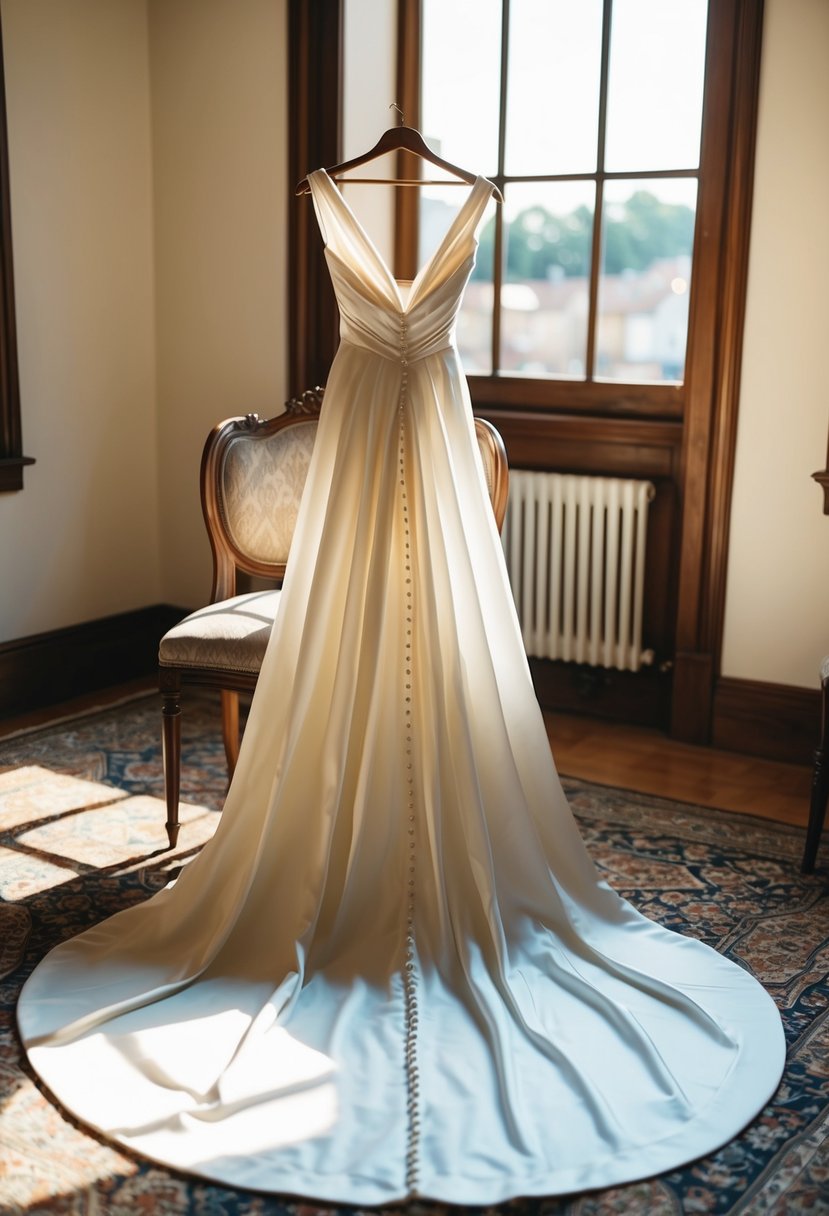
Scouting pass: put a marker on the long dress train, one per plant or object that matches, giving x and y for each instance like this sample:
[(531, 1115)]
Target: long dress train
[(394, 970)]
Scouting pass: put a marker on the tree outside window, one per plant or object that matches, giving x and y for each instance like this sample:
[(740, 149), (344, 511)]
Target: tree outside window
[(588, 117)]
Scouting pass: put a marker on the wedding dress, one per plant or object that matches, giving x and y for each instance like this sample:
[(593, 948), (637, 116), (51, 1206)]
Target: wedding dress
[(394, 971)]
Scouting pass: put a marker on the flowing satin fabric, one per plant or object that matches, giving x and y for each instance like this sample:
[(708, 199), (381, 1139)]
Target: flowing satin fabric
[(394, 970)]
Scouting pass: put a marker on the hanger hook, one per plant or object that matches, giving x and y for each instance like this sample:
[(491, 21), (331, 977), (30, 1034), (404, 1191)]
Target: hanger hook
[(394, 106)]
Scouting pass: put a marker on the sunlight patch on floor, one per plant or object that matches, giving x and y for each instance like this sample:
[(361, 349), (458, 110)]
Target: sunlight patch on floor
[(31, 793), (57, 827)]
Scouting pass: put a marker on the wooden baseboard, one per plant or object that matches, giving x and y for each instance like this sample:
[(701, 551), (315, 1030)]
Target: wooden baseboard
[(691, 700), (758, 719), (48, 668), (777, 721)]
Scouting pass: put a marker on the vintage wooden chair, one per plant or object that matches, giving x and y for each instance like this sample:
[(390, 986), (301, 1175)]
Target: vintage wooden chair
[(252, 476), (820, 777)]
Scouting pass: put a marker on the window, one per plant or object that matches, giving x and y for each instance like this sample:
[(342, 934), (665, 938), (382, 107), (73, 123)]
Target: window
[(653, 401), (588, 116)]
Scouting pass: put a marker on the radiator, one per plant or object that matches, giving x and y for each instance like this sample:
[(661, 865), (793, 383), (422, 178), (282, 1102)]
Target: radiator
[(575, 550)]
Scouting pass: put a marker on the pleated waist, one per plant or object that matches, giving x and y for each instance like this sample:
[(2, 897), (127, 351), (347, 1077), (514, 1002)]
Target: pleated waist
[(393, 350)]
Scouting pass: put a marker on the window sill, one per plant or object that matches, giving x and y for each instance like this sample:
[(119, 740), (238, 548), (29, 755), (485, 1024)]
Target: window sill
[(578, 396)]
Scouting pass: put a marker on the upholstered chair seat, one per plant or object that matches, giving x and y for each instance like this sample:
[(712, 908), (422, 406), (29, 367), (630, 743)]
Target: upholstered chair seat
[(253, 473), (230, 636)]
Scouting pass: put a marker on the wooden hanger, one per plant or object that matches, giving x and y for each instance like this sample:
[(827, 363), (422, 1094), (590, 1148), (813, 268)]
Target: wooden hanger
[(402, 139)]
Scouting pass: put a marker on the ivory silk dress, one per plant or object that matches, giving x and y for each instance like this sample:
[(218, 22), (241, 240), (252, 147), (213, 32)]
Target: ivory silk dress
[(394, 971)]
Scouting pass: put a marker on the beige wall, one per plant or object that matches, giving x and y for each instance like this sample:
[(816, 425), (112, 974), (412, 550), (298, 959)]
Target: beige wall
[(369, 85), (778, 576), (81, 540), (148, 151), (148, 157), (218, 88)]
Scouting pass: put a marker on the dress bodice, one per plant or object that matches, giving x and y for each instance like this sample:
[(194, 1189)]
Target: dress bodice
[(373, 311)]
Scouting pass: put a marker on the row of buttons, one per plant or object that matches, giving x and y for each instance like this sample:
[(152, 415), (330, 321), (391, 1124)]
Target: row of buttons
[(409, 968)]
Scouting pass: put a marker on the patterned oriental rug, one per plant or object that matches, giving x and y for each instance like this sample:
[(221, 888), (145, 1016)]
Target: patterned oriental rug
[(82, 835)]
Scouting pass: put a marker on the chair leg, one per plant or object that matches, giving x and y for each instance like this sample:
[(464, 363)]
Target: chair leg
[(230, 728), (171, 752), (817, 810)]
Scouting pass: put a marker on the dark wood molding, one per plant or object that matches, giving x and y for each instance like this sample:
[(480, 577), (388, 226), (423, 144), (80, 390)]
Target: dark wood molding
[(776, 721), (579, 396), (406, 202), (612, 447), (691, 701), (713, 379), (640, 698), (12, 460), (47, 668), (315, 51), (737, 231)]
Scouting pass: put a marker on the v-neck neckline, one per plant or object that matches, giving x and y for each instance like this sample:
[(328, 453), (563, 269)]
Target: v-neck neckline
[(422, 273)]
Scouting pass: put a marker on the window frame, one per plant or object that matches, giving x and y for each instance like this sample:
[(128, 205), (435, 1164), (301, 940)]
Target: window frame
[(705, 404), (686, 432), (616, 398), (663, 399)]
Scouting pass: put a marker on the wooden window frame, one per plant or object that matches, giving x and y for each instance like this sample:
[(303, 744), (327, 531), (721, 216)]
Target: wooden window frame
[(497, 388), (705, 403), (688, 431), (315, 80), (578, 394), (12, 460)]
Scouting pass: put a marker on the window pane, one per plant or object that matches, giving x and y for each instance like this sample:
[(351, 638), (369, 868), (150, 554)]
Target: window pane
[(475, 319), (553, 86), (544, 299), (461, 68), (657, 67), (438, 208), (647, 239)]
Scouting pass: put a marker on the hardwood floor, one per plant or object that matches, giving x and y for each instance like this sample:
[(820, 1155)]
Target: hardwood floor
[(636, 758), (610, 753)]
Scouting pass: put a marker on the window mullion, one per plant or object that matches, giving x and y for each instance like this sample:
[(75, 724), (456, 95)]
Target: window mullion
[(499, 243), (596, 251)]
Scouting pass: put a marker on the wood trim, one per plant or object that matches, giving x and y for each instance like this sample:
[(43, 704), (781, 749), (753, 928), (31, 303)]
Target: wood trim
[(692, 692), (315, 75), (621, 447), (718, 311), (407, 202), (598, 199), (776, 721), (12, 460), (578, 396), (638, 698), (746, 82), (51, 667)]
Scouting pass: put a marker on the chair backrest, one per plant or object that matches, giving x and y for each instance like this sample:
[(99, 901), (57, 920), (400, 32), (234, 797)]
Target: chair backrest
[(253, 473)]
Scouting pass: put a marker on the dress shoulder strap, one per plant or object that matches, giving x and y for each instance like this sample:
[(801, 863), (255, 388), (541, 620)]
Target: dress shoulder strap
[(325, 206)]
